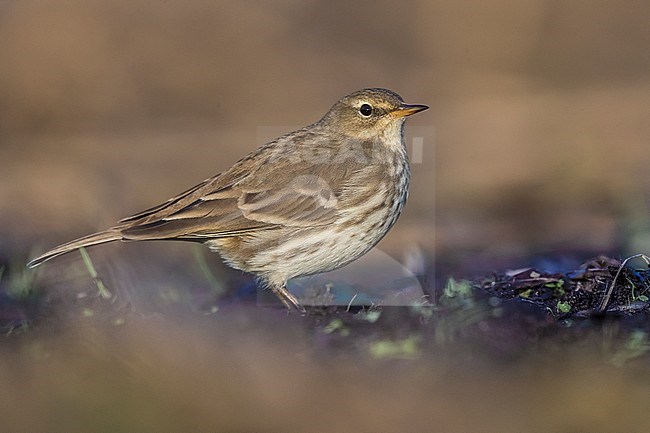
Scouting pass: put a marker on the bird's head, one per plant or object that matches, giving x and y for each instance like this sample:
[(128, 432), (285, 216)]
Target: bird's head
[(370, 114)]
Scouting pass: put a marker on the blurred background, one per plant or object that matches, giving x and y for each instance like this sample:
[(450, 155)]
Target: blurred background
[(536, 139), (536, 143)]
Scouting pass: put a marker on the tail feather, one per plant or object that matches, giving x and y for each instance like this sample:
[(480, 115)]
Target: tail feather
[(86, 241)]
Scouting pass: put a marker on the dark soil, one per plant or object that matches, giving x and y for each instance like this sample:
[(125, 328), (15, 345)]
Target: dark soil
[(600, 286)]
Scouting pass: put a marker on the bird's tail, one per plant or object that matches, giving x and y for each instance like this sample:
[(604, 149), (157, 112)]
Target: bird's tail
[(86, 241)]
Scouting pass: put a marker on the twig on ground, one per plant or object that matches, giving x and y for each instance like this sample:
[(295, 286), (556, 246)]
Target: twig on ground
[(610, 290)]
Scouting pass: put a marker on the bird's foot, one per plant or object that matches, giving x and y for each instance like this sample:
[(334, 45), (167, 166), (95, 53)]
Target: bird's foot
[(288, 299)]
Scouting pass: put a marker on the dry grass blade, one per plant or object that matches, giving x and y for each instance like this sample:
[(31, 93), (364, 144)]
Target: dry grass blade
[(102, 290)]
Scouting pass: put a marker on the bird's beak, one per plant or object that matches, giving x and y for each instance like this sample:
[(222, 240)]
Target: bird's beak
[(407, 110)]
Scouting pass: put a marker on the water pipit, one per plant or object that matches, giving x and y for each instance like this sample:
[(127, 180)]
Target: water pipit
[(308, 202)]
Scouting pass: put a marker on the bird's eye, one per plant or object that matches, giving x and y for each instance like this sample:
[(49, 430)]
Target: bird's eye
[(365, 110)]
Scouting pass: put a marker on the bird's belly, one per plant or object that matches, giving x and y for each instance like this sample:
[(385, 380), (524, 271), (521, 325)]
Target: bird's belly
[(300, 252), (315, 250)]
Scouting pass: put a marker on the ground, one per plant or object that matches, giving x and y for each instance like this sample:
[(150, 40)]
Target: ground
[(495, 347)]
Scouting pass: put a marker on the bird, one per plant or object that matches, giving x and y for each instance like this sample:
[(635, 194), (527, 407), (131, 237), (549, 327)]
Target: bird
[(308, 202)]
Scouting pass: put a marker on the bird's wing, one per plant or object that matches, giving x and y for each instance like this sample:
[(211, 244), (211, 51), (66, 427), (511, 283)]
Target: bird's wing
[(237, 202)]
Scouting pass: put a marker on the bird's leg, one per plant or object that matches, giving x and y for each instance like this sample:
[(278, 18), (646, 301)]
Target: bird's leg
[(287, 298)]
